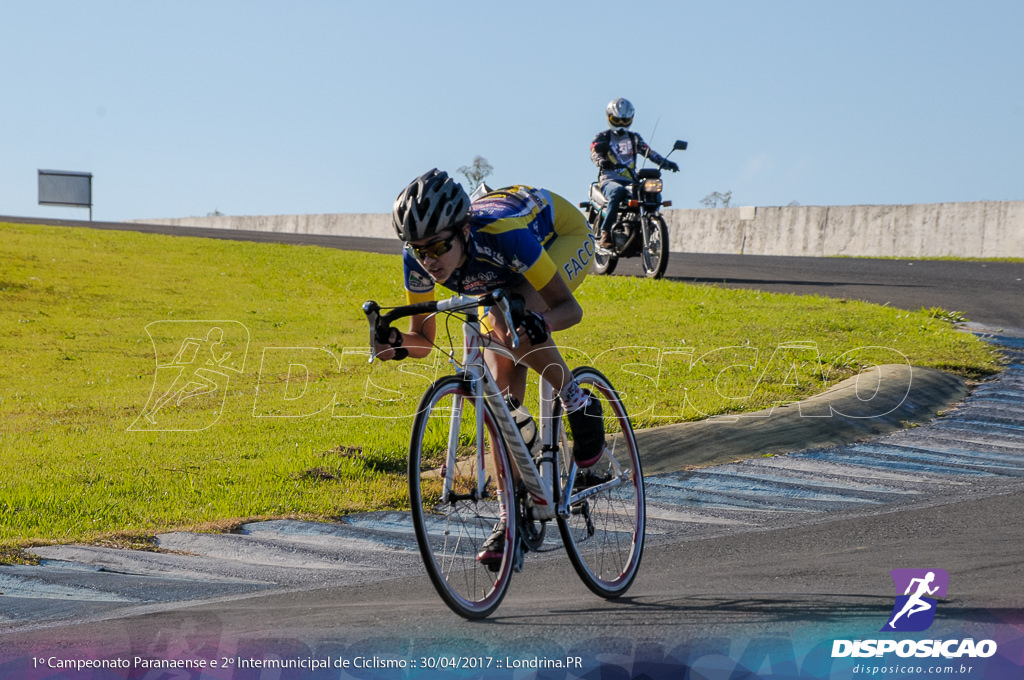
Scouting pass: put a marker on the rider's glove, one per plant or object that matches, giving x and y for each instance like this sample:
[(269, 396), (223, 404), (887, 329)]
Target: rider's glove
[(527, 322), (670, 166), (393, 337), (535, 327)]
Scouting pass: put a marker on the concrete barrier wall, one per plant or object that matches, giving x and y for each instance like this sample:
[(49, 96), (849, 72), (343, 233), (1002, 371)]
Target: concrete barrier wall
[(979, 229), (369, 225)]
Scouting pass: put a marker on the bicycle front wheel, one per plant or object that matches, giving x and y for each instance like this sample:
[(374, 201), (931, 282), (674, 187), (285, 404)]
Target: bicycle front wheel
[(455, 504), (604, 532)]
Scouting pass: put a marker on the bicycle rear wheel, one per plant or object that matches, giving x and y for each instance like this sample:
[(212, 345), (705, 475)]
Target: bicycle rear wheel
[(604, 532), (454, 509)]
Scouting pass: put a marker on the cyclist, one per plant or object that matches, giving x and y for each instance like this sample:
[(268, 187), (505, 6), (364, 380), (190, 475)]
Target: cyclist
[(614, 152), (528, 241)]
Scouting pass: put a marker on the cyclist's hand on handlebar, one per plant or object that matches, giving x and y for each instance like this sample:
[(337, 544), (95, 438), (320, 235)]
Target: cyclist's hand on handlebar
[(670, 166), (534, 327), (388, 345), (527, 323)]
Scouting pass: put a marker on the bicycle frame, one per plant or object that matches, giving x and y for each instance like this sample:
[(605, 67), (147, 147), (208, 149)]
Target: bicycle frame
[(550, 499), (484, 388)]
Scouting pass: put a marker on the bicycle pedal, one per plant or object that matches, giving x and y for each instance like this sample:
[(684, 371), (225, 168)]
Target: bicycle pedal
[(586, 479)]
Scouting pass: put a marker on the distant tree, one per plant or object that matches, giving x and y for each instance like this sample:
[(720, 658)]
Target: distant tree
[(215, 213), (717, 200), (477, 172)]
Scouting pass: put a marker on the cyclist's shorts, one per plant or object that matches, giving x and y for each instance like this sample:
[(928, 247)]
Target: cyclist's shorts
[(573, 249)]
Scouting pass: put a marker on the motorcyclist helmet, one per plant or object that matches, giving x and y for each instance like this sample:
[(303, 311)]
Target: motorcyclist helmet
[(430, 204), (620, 114)]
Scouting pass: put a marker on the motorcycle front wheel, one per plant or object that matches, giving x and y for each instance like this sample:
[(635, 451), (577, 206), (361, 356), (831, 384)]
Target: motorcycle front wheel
[(655, 250)]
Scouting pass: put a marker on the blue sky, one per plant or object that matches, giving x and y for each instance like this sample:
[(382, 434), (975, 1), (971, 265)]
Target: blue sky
[(180, 109)]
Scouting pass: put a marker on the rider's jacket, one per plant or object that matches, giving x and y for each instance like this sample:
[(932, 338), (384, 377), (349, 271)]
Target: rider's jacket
[(614, 153), (510, 230)]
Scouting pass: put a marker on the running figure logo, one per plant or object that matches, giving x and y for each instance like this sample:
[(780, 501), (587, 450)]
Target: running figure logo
[(194, 362), (915, 608)]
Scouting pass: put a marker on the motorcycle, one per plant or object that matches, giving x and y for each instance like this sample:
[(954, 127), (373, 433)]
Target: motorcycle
[(639, 228)]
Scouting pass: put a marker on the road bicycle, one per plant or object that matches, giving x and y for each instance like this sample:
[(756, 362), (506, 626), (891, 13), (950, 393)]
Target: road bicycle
[(468, 460)]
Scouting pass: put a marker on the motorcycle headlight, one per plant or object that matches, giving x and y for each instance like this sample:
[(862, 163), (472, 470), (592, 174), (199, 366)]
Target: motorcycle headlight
[(652, 186)]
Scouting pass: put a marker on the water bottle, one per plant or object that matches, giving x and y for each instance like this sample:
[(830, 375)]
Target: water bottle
[(527, 426)]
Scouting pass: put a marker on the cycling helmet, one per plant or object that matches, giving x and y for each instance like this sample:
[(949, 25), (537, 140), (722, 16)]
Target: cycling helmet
[(431, 203), (620, 114)]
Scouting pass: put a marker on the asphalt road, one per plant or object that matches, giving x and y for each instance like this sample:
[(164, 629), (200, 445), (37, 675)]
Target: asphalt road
[(765, 585), (986, 292)]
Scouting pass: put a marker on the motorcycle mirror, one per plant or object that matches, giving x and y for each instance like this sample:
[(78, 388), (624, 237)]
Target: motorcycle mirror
[(481, 190), (679, 146)]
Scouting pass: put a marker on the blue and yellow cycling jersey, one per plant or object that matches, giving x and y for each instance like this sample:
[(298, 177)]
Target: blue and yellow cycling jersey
[(512, 235)]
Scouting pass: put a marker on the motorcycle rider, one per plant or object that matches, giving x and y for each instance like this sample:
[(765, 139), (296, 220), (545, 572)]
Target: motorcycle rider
[(614, 152), (528, 241)]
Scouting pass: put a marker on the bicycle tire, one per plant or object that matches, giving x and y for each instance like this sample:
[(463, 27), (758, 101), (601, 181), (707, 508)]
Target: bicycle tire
[(450, 533), (604, 533)]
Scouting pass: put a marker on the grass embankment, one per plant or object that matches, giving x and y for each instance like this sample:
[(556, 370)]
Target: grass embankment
[(274, 410)]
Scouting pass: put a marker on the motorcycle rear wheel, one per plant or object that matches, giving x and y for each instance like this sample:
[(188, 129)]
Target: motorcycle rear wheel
[(655, 253), (604, 262)]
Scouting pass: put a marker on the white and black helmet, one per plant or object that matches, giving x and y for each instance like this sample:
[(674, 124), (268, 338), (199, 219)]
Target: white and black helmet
[(620, 114), (430, 204)]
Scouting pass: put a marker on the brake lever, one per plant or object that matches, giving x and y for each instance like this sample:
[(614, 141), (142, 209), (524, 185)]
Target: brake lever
[(502, 302), (372, 311)]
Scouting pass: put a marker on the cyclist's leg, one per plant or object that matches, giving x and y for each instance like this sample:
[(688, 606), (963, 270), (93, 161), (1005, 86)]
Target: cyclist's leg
[(615, 192), (573, 253), (509, 373), (493, 549), (583, 410), (573, 248), (511, 366)]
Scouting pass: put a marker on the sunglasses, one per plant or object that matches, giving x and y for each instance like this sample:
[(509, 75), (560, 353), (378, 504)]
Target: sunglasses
[(433, 250)]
